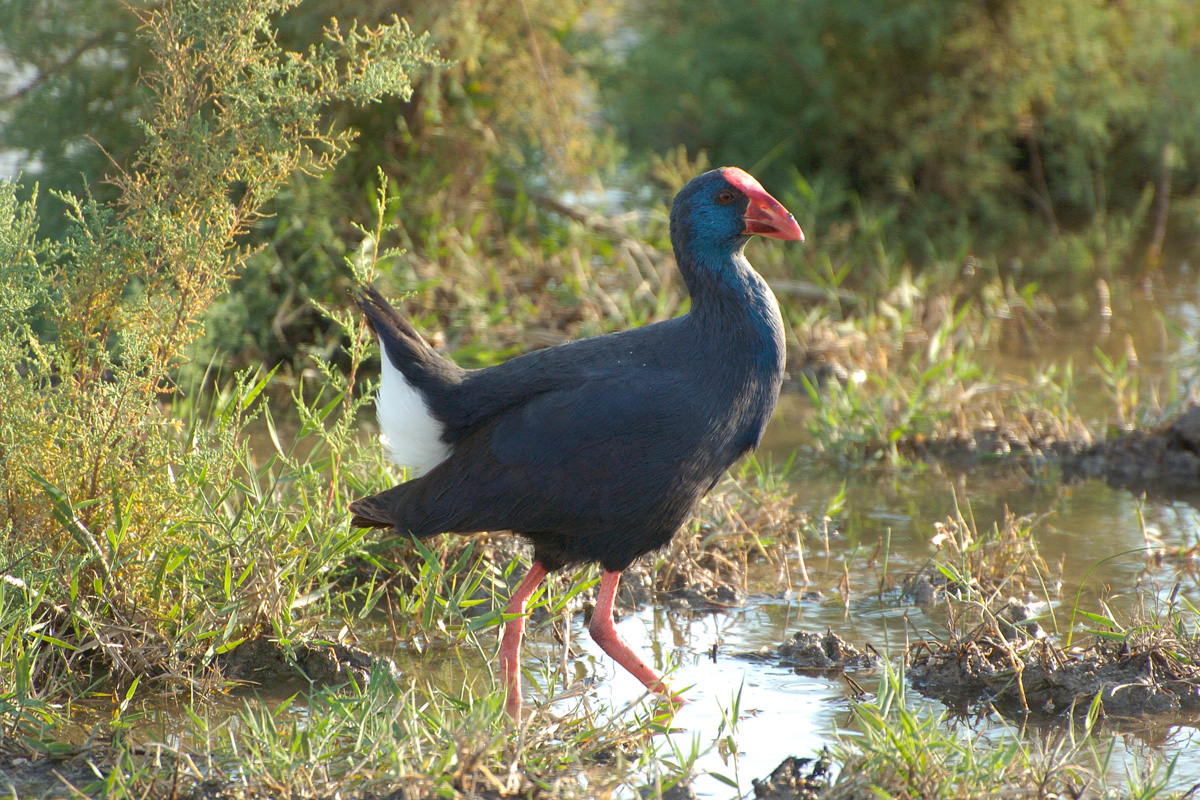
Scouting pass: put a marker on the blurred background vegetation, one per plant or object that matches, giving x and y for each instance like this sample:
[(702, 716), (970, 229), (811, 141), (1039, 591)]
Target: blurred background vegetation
[(530, 174)]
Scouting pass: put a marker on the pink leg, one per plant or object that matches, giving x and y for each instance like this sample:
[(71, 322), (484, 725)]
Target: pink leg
[(514, 629), (610, 641)]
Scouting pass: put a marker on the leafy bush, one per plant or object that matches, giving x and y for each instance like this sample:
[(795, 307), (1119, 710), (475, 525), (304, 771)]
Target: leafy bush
[(101, 485), (1011, 119), (510, 106)]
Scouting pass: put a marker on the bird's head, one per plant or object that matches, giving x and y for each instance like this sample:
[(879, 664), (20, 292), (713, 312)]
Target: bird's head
[(717, 212)]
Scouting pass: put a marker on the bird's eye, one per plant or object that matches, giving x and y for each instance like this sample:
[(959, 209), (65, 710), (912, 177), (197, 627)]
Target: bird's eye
[(725, 197)]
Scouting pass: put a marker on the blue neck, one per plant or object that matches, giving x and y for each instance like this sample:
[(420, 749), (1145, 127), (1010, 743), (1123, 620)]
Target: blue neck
[(732, 299), (721, 268)]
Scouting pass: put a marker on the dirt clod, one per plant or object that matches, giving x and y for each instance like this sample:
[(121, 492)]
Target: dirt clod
[(794, 779), (1017, 620), (262, 660), (679, 791), (816, 653), (928, 586), (44, 777)]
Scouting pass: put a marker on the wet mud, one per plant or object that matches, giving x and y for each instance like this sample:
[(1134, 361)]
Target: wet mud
[(818, 654), (262, 661), (1033, 675), (1162, 459)]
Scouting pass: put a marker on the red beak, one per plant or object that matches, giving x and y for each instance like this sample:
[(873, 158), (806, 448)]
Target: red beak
[(766, 216)]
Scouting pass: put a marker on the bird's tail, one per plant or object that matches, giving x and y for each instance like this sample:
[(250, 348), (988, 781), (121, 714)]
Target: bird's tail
[(401, 340), (383, 510), (415, 383)]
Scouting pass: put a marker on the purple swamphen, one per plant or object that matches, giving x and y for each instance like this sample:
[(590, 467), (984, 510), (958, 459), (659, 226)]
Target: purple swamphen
[(595, 450)]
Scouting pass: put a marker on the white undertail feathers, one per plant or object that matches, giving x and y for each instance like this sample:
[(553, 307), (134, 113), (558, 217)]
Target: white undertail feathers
[(412, 436)]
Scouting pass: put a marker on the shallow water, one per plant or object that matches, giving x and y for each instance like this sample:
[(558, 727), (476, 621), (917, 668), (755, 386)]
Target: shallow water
[(788, 714)]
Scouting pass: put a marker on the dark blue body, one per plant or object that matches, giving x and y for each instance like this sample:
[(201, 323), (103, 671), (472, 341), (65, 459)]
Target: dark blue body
[(598, 450)]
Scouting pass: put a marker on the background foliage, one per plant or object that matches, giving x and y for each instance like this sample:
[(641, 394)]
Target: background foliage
[(1058, 133), (1018, 120), (509, 104)]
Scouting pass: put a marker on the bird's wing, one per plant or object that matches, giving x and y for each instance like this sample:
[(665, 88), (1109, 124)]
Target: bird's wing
[(487, 394), (604, 450), (602, 417)]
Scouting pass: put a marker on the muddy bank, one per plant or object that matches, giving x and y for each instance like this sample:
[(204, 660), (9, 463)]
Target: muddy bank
[(1161, 460), (1166, 458), (1033, 675)]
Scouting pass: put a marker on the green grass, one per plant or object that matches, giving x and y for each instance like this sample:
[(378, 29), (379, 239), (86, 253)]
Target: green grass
[(391, 734)]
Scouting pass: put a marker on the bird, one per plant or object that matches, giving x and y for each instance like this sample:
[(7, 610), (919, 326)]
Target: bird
[(595, 450)]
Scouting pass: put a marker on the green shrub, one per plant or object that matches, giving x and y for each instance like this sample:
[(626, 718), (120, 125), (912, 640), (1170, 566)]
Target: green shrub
[(510, 105), (98, 321), (1012, 119)]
